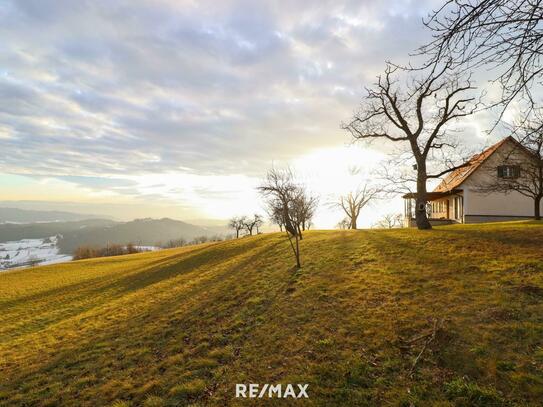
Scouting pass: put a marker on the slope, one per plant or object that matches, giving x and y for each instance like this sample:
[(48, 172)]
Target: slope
[(183, 326)]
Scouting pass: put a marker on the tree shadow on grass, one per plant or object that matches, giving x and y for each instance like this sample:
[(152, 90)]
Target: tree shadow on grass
[(170, 321), (74, 299)]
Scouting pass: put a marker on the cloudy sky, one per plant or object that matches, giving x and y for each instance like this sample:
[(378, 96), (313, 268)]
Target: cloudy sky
[(177, 108)]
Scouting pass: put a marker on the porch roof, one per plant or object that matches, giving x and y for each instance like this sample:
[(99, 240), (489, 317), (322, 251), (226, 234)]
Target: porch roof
[(432, 196)]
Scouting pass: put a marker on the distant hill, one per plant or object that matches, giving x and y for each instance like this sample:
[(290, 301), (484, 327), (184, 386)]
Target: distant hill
[(30, 216), (450, 317), (14, 231), (100, 232), (140, 231)]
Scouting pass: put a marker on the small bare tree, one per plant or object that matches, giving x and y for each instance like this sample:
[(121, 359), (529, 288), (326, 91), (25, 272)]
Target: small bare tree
[(415, 115), (259, 221), (343, 224), (522, 169), (238, 224), (285, 199), (354, 202), (250, 224), (390, 221)]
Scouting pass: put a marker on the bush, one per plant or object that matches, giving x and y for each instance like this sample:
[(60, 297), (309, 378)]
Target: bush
[(199, 239), (175, 243), (88, 252)]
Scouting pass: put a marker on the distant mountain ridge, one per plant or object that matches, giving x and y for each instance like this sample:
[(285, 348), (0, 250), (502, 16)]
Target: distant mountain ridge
[(101, 232), (17, 215), (146, 232)]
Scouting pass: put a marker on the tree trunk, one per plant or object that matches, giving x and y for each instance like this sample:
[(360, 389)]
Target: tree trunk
[(353, 222), (298, 264), (237, 234), (537, 207), (300, 232), (421, 218)]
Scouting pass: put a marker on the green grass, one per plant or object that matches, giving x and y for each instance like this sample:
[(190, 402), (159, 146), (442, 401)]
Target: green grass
[(183, 326)]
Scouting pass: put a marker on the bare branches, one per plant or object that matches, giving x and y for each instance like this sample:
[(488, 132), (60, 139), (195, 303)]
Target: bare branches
[(238, 224), (416, 112), (428, 339), (250, 224), (390, 221), (354, 202), (504, 35), (520, 169), (289, 204)]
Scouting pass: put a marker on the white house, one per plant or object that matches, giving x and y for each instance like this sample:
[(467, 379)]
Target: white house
[(458, 198)]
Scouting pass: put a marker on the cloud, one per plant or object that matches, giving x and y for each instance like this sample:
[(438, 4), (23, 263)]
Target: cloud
[(94, 93)]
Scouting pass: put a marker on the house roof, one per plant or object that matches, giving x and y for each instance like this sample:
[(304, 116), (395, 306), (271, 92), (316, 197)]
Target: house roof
[(455, 178)]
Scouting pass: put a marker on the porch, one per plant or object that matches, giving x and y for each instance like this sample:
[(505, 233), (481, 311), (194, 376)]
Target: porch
[(442, 208)]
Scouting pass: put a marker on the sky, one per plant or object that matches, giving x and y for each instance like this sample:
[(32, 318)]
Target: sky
[(178, 108)]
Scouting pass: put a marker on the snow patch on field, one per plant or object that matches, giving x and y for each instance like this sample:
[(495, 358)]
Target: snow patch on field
[(31, 252)]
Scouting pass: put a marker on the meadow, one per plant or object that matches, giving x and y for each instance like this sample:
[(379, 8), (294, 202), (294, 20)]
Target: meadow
[(448, 317)]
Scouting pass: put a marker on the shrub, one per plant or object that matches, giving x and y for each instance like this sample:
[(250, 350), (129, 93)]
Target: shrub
[(88, 252), (175, 243)]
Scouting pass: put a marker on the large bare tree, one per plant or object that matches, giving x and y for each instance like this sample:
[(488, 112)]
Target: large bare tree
[(503, 35), (353, 202), (415, 114), (522, 169)]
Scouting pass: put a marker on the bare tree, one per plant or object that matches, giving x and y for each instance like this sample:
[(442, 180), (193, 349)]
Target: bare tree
[(390, 221), (284, 199), (503, 35), (238, 224), (354, 202), (250, 224), (259, 221), (417, 119), (522, 169), (343, 224)]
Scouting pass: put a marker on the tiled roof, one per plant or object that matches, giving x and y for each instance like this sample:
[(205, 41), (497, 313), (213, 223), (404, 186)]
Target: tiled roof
[(457, 177)]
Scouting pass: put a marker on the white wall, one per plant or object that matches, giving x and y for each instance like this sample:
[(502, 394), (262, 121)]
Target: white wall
[(495, 204)]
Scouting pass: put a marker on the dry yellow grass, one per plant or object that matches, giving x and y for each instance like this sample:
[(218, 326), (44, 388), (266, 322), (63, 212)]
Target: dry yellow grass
[(182, 326)]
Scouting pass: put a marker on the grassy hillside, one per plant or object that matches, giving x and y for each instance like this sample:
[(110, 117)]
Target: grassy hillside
[(183, 326)]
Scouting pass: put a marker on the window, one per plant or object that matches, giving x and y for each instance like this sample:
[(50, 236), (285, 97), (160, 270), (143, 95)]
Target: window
[(508, 171)]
